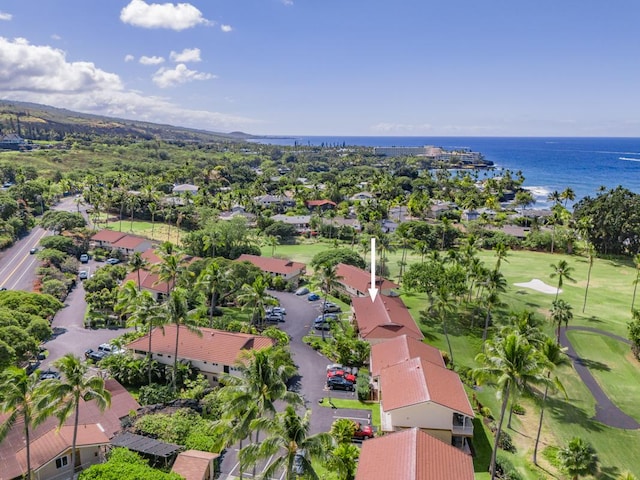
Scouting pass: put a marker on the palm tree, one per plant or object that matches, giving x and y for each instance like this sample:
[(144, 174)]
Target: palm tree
[(255, 296), (495, 283), (76, 386), (178, 314), (578, 458), (636, 261), (560, 313), (209, 282), (568, 195), (501, 251), (288, 445), (170, 266), (510, 362), (327, 278), (444, 304), (590, 250), (22, 396), (562, 270), (137, 262), (626, 475), (555, 356)]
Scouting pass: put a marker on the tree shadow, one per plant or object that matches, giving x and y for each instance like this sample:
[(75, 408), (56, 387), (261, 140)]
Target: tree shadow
[(593, 364), (522, 292), (57, 331), (567, 413), (594, 319), (481, 447), (609, 473)]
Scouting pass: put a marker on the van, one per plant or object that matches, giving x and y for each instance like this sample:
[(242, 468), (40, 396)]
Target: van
[(84, 258)]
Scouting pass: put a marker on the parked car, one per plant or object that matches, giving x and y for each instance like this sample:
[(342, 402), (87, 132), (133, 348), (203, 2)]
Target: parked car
[(333, 365), (83, 274), (113, 261), (273, 317), (279, 310), (32, 366), (94, 355), (331, 308), (108, 349), (49, 374), (339, 383), (322, 325), (84, 258), (338, 372), (33, 250), (363, 431), (313, 297), (302, 291)]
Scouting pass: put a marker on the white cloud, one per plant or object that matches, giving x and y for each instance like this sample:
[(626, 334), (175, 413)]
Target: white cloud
[(5, 16), (129, 58), (288, 3), (55, 36), (166, 77), (177, 17), (390, 127), (144, 60), (226, 28), (45, 69), (187, 55)]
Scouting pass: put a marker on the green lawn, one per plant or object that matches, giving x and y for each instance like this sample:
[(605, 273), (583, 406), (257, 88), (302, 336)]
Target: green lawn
[(611, 363), (374, 407)]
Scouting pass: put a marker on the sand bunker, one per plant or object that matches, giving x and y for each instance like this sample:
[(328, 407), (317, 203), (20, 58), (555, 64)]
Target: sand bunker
[(538, 286)]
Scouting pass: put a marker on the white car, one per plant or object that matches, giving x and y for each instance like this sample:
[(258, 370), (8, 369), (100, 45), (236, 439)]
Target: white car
[(302, 291)]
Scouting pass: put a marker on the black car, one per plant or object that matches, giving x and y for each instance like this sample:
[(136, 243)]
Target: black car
[(339, 383), (49, 374), (95, 355)]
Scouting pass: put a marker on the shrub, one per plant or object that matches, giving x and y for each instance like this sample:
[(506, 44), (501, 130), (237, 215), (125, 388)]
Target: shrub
[(486, 413), (505, 469), (505, 442), (363, 387), (518, 409), (154, 393)]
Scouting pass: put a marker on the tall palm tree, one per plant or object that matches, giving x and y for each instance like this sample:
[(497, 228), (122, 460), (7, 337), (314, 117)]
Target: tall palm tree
[(590, 251), (136, 263), (444, 304), (510, 362), (177, 313), (327, 278), (170, 266), (288, 445), (563, 271), (555, 356), (560, 313), (22, 396), (76, 385), (495, 284), (568, 195), (255, 296), (636, 261), (209, 282), (501, 250)]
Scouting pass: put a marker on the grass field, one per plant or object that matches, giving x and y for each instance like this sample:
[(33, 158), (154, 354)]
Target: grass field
[(607, 308)]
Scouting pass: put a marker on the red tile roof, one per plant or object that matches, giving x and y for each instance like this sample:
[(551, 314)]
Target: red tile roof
[(55, 442), (214, 346), (129, 242), (273, 265), (412, 455), (148, 281), (193, 464), (319, 203), (400, 349), (121, 404), (361, 279), (419, 381), (105, 235), (151, 256), (386, 317)]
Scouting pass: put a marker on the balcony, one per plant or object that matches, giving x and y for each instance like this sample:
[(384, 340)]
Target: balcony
[(462, 425)]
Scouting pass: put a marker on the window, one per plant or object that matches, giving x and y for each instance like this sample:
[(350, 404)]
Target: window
[(62, 462)]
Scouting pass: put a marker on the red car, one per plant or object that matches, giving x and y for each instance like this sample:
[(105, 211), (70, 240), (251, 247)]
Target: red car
[(363, 431), (336, 372)]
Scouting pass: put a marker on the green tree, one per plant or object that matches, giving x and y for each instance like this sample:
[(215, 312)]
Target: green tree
[(256, 297), (636, 262), (327, 278), (578, 458), (555, 356), (21, 396), (560, 313), (136, 263), (288, 446), (563, 271), (510, 363), (590, 252), (75, 386)]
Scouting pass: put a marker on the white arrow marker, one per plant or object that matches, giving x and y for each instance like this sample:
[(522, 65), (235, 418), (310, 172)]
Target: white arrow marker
[(373, 291)]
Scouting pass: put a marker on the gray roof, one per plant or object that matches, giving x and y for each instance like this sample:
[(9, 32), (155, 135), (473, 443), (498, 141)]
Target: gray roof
[(146, 445)]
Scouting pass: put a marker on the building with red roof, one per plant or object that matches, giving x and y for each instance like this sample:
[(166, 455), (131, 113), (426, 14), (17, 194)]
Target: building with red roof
[(382, 319), (412, 455), (214, 352), (418, 393), (321, 205), (356, 282), (51, 447), (277, 267)]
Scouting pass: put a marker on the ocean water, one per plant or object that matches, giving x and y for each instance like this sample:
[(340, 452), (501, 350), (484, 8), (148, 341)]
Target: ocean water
[(583, 164)]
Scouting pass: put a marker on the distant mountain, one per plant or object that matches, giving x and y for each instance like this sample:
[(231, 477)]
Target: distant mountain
[(34, 121)]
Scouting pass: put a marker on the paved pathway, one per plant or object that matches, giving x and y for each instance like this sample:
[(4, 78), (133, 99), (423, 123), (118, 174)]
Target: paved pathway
[(606, 411)]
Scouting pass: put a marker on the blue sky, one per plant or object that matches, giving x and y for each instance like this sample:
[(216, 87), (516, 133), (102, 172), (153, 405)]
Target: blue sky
[(333, 67)]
